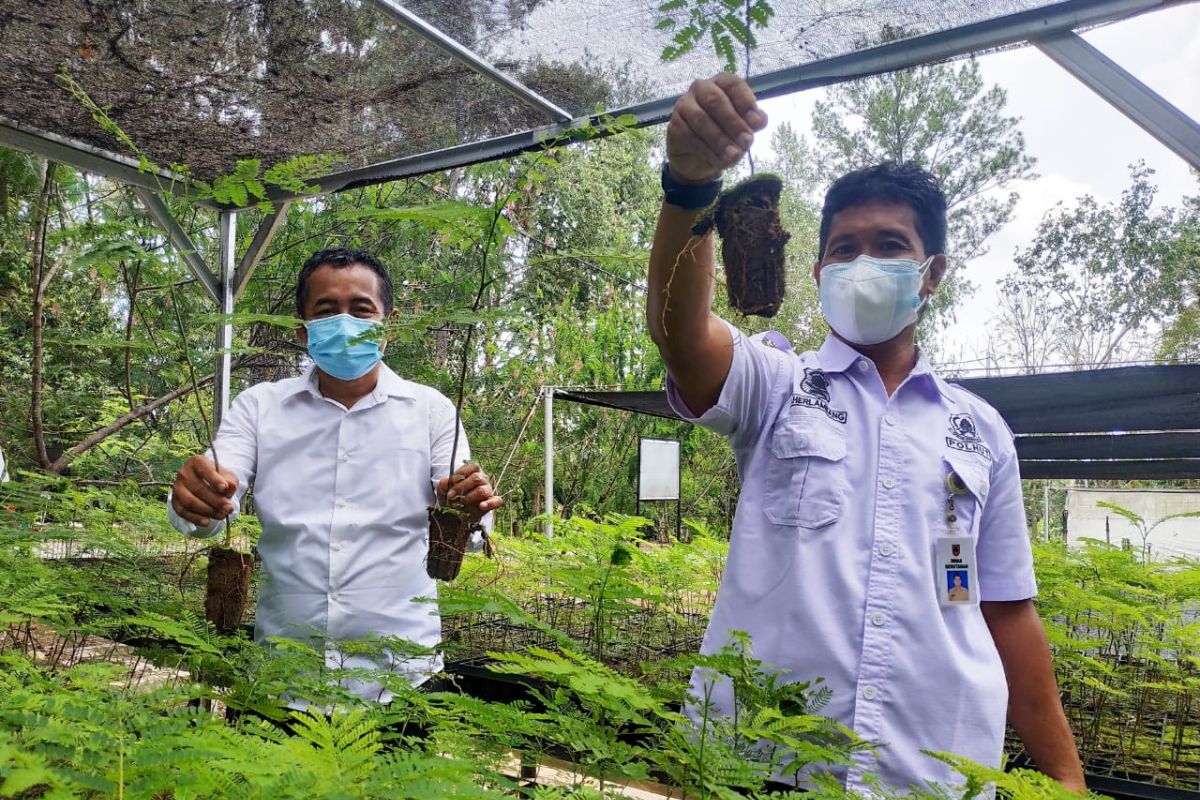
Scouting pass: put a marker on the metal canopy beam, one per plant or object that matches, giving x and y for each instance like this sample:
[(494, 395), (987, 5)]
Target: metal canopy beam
[(180, 241), (227, 232), (456, 50), (1061, 17), (1127, 94), (262, 237), (988, 35), (84, 156)]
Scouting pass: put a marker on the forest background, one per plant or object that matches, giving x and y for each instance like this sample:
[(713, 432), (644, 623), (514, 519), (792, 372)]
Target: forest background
[(103, 325)]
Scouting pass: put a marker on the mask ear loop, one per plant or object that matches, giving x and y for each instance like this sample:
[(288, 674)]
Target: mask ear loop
[(923, 271)]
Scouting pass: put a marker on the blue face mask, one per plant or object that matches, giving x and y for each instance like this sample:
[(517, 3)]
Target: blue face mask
[(870, 300), (329, 344)]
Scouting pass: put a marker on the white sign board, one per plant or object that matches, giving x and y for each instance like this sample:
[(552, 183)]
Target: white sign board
[(658, 472)]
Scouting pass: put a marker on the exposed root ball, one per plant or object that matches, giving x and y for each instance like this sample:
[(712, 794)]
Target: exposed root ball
[(228, 588), (449, 535), (752, 244)]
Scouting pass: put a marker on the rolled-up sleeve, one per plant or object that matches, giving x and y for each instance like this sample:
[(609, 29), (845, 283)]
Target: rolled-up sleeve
[(745, 396), (236, 448), (1005, 555)]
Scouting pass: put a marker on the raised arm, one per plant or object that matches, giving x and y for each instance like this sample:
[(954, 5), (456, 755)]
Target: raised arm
[(711, 128)]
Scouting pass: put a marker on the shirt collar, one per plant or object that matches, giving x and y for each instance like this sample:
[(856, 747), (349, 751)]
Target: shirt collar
[(389, 385), (837, 356)]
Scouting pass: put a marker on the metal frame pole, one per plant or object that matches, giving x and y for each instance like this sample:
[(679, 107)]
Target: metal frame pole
[(548, 415), (470, 58), (227, 231), (1127, 94)]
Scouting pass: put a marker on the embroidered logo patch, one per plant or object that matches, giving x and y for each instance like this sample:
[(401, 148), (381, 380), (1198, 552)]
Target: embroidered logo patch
[(965, 436), (815, 385)]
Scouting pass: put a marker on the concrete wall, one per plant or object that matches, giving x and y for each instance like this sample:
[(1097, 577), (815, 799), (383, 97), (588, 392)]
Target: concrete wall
[(1173, 539)]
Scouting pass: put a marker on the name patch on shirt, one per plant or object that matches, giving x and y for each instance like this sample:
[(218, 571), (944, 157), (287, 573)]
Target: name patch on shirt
[(815, 388), (965, 436)]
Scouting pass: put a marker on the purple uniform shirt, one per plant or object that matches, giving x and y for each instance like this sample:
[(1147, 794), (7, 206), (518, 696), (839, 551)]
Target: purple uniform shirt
[(832, 565)]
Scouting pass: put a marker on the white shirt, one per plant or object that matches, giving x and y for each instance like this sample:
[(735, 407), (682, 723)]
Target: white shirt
[(342, 497), (832, 565), (3, 467)]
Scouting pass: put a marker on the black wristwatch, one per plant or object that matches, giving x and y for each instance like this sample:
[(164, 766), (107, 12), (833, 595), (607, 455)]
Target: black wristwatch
[(688, 195)]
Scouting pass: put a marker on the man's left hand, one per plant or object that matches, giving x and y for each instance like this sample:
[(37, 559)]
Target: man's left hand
[(469, 489)]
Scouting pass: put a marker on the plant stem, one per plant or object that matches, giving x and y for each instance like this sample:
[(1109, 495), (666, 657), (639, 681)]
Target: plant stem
[(208, 431)]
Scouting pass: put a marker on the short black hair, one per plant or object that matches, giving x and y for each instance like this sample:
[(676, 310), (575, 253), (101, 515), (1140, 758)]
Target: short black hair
[(339, 257), (903, 184)]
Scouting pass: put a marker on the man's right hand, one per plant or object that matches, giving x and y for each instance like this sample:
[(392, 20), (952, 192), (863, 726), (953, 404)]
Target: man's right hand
[(711, 128), (202, 493)]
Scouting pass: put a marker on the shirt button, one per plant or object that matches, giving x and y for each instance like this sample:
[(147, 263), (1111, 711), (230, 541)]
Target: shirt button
[(878, 619), (886, 549), (889, 483), (863, 366), (868, 692), (802, 441), (341, 502), (343, 456), (335, 597), (890, 419), (337, 547)]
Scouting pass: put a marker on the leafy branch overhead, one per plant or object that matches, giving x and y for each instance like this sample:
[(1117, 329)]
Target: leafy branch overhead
[(247, 183), (727, 24)]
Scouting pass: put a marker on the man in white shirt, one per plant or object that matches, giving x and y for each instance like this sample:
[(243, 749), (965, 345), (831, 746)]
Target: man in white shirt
[(345, 460), (868, 482)]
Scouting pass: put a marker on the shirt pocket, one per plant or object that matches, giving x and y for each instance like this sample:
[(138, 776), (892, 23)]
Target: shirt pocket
[(805, 474), (976, 478)]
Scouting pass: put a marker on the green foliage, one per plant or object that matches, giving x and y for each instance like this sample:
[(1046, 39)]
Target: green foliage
[(1125, 653), (729, 25), (1126, 645), (1104, 275)]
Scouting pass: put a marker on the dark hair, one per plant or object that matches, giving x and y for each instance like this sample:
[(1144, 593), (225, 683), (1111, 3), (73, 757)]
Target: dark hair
[(889, 182), (339, 257)]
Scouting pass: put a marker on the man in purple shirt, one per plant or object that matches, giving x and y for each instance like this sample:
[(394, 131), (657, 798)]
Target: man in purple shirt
[(868, 482)]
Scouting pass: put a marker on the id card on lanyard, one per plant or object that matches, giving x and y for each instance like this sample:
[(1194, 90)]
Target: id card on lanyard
[(955, 569)]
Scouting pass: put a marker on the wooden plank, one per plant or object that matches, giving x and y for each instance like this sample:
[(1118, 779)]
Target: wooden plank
[(1164, 469), (1176, 444)]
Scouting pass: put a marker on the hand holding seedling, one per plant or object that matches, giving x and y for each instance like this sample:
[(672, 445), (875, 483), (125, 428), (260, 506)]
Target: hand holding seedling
[(711, 127), (202, 492), (469, 488)]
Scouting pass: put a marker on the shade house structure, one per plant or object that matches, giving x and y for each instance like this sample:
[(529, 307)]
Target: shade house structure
[(1128, 423), (370, 91)]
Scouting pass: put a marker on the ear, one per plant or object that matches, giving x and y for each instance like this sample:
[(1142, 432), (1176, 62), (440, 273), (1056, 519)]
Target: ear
[(302, 334), (937, 271), (817, 272), (395, 315)]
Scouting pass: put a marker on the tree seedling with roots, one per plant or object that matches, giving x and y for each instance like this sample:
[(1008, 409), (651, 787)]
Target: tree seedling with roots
[(752, 244)]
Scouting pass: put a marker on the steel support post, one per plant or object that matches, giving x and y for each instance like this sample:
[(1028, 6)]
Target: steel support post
[(262, 238), (1127, 94), (227, 231), (548, 419), (180, 240)]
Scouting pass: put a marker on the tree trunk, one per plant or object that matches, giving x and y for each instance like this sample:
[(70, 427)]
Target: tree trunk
[(63, 461)]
